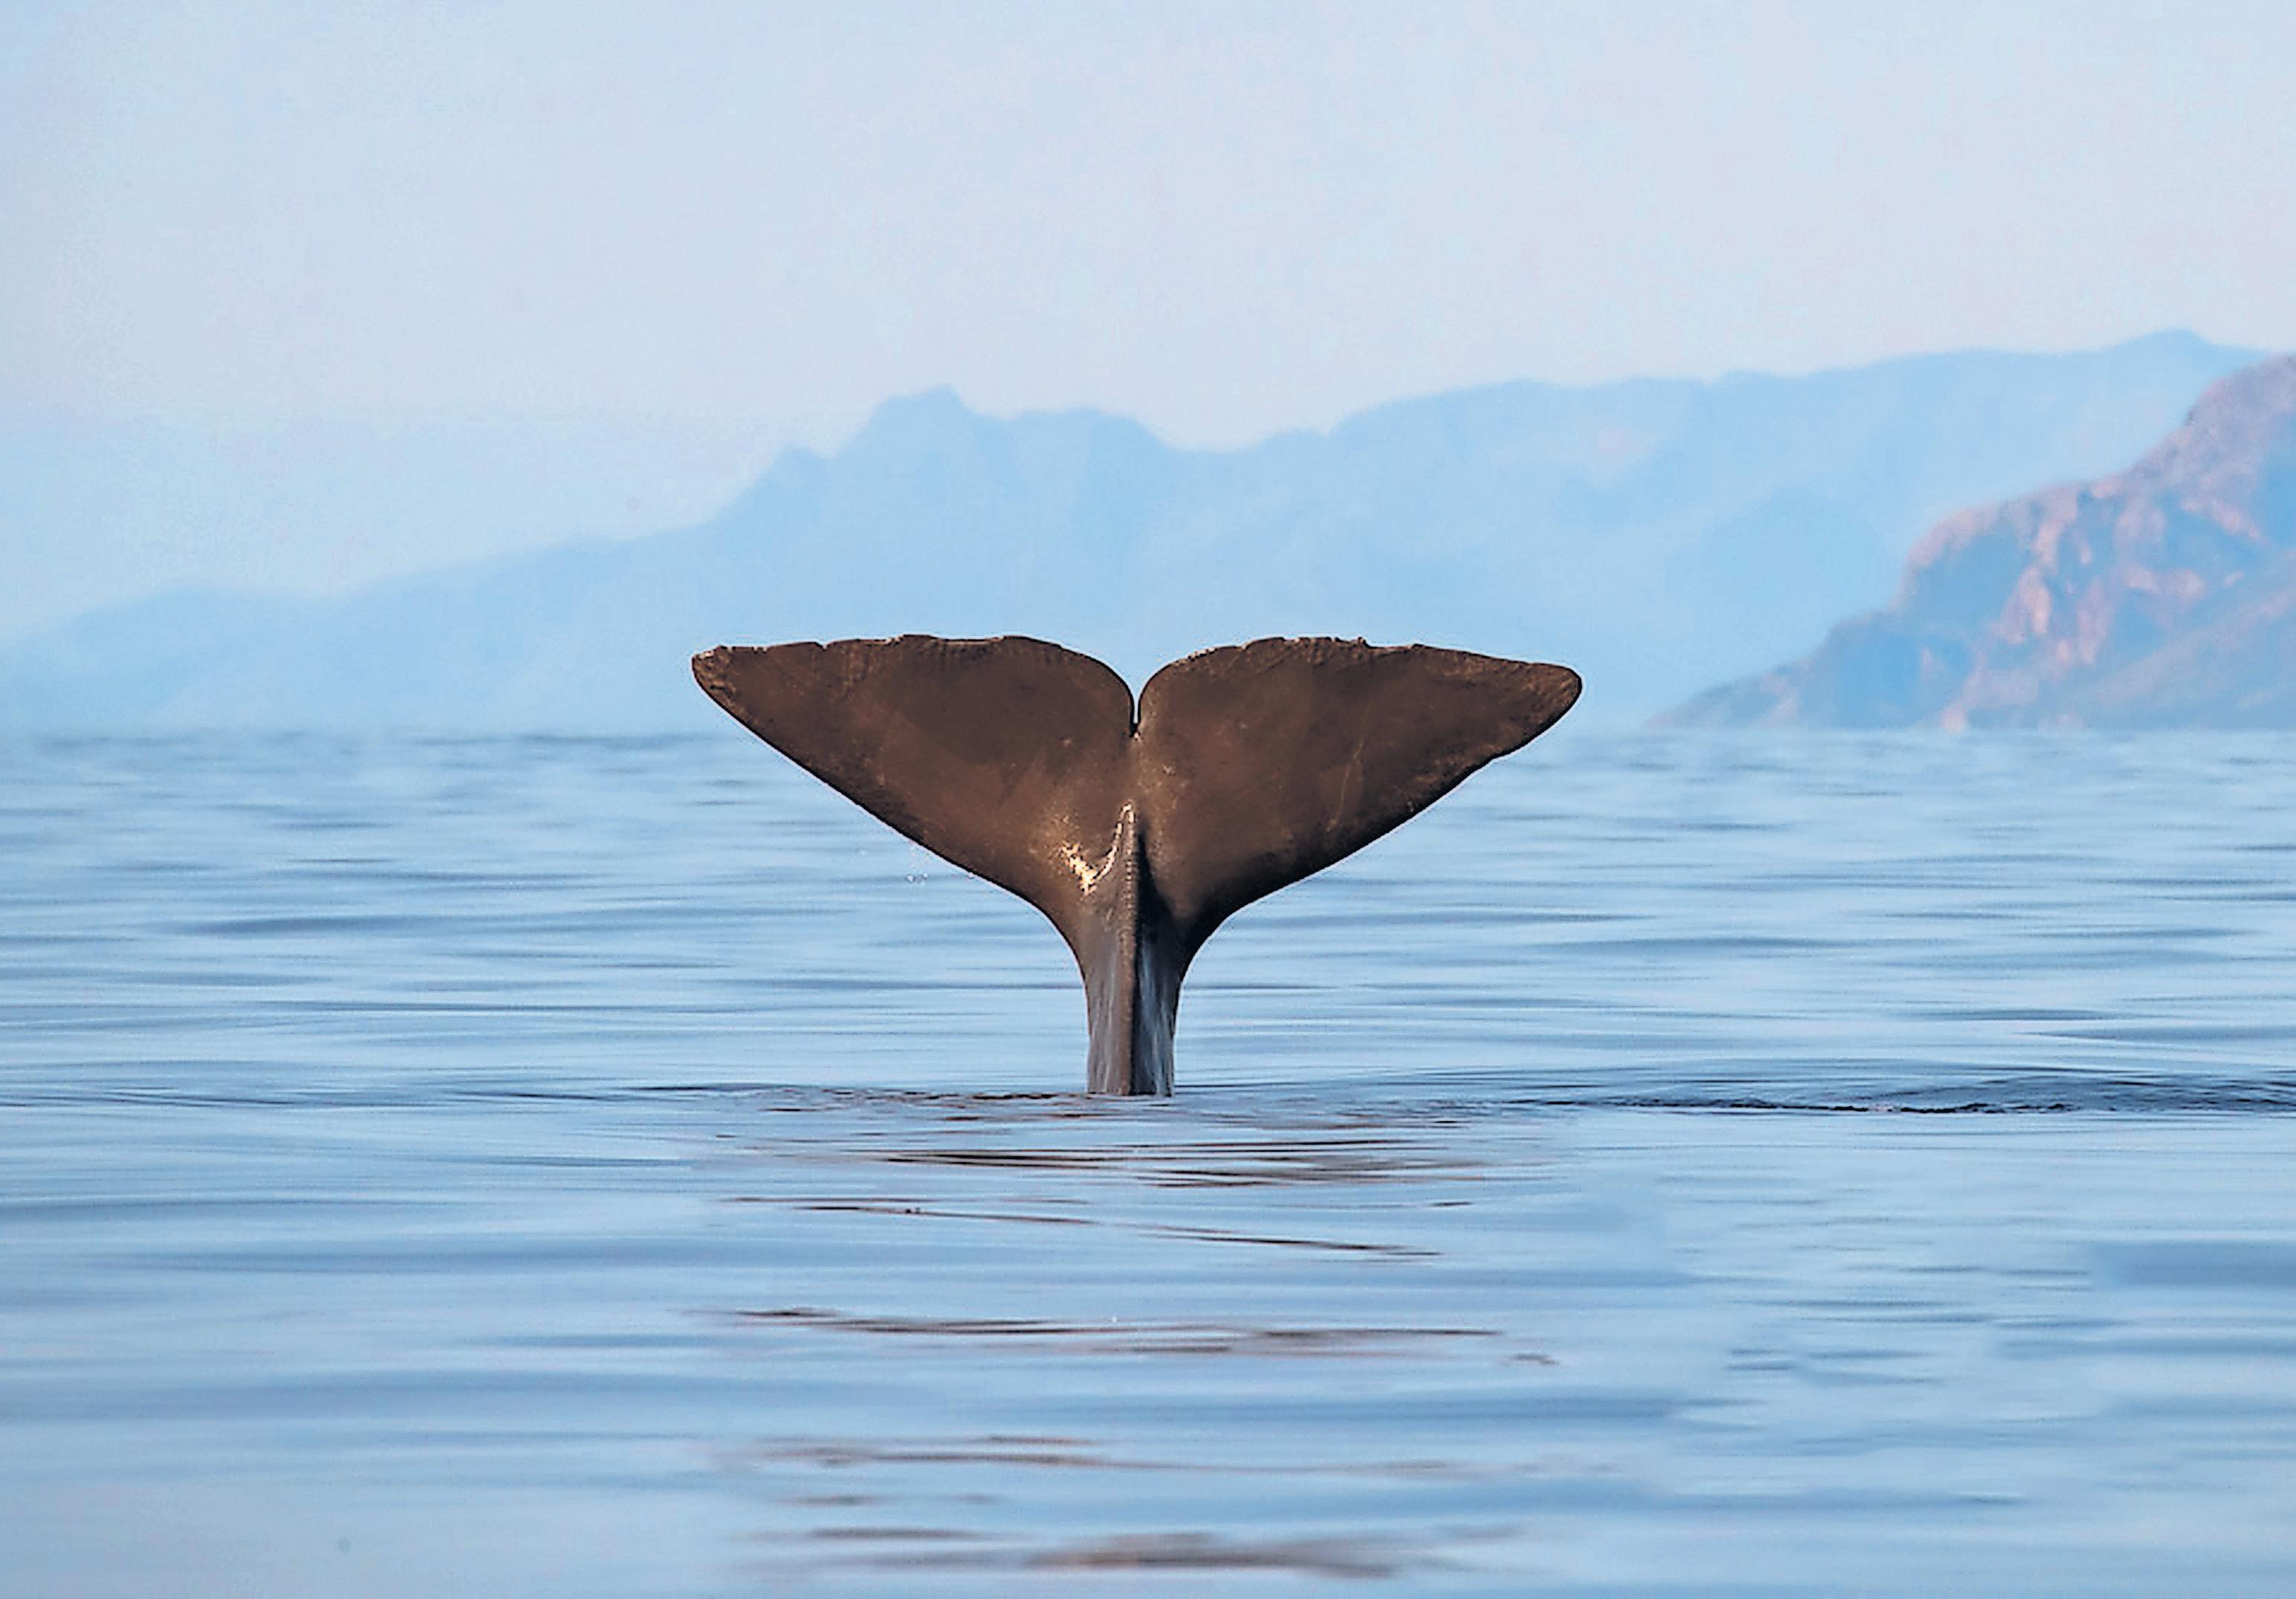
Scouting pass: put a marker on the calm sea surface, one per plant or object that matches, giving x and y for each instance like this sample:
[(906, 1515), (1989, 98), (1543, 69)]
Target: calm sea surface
[(553, 1166)]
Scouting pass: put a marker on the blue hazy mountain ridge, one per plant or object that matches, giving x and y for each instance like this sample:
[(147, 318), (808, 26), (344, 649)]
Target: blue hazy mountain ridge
[(98, 510), (2163, 595), (1655, 534)]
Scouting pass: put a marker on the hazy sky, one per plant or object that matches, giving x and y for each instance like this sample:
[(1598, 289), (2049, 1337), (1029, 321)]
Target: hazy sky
[(1221, 218)]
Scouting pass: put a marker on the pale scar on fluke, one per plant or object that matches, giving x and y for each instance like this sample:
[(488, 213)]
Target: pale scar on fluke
[(1137, 830)]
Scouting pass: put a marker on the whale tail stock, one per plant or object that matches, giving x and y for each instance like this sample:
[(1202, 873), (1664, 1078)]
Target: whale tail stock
[(1245, 768)]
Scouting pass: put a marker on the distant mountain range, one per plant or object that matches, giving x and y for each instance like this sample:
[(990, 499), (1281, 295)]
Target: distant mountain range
[(2161, 596), (1656, 535)]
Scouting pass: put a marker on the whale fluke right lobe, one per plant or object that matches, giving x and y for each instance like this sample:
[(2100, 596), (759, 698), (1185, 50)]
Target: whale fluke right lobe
[(1247, 768), (1268, 761)]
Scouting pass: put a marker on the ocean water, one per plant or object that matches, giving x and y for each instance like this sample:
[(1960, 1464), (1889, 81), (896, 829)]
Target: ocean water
[(555, 1166)]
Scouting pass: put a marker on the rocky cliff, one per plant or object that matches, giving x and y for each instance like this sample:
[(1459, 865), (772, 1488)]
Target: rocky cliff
[(2164, 595)]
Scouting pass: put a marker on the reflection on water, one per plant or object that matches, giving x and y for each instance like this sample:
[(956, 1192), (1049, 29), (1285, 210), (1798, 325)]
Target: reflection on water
[(538, 1165)]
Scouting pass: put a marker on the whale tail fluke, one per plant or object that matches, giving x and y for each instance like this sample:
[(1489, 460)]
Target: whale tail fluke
[(1246, 768)]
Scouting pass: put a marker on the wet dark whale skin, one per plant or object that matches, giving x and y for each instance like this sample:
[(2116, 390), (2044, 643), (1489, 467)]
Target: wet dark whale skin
[(1244, 768)]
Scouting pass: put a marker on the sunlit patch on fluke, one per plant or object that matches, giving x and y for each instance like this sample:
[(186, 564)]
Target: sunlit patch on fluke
[(1245, 768)]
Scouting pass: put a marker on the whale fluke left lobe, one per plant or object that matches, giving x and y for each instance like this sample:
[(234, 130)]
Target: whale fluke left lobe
[(994, 754)]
